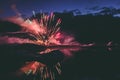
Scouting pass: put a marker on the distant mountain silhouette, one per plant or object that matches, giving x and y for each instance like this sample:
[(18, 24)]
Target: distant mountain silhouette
[(108, 11), (96, 10)]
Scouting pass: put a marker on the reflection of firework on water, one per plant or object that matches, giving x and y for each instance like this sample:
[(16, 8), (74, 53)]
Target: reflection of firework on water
[(41, 71)]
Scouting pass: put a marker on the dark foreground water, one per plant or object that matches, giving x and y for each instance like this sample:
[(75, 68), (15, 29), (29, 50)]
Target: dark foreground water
[(95, 63)]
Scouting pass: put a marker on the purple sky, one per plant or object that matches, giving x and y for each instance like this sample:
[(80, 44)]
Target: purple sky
[(27, 6)]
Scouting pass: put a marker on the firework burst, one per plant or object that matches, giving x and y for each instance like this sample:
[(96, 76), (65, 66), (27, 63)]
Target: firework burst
[(44, 29)]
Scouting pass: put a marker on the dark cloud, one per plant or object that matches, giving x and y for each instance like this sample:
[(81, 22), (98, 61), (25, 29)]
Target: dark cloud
[(1, 11)]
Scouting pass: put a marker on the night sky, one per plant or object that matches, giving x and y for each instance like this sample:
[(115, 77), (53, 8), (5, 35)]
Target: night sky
[(25, 7)]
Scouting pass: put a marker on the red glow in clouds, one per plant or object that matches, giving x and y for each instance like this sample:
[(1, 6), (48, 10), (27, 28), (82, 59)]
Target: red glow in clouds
[(13, 40)]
